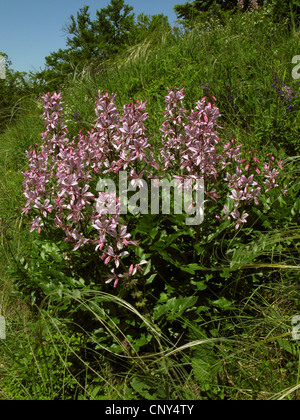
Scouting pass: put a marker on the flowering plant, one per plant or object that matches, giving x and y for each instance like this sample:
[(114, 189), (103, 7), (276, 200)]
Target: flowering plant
[(60, 184), (59, 181), (285, 93)]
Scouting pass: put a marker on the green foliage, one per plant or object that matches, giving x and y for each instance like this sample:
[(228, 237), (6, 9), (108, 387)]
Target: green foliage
[(209, 10), (287, 12), (12, 89), (202, 9), (92, 42), (103, 37), (150, 25)]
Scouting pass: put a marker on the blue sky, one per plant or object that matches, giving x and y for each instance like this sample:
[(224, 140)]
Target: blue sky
[(31, 29)]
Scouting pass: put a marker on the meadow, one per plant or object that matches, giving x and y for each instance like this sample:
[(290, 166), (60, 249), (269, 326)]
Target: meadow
[(204, 312)]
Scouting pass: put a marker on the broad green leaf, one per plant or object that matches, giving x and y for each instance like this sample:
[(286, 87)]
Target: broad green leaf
[(223, 303)]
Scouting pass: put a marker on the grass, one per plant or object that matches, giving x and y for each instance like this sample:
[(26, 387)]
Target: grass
[(44, 361), (247, 351)]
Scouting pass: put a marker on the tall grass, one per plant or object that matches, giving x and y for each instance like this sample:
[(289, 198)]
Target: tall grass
[(48, 361)]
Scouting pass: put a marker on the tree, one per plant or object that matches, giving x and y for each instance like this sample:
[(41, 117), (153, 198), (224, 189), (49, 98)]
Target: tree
[(203, 9), (282, 11), (190, 11), (91, 42), (147, 24), (81, 39), (103, 37), (114, 27)]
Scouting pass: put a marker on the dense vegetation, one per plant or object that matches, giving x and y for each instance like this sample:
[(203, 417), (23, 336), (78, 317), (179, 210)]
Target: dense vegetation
[(192, 312)]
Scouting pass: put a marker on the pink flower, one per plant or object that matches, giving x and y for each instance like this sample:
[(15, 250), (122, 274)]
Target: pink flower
[(253, 5), (137, 267), (239, 219), (114, 277), (37, 224)]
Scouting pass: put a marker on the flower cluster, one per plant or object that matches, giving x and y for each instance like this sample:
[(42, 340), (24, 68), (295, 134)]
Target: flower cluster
[(200, 156), (252, 5), (192, 148), (173, 129), (286, 93), (190, 141), (57, 184), (245, 189), (112, 236)]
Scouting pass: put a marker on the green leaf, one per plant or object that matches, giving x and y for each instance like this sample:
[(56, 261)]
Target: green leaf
[(76, 294), (175, 307), (141, 341), (192, 268), (226, 273), (142, 388), (151, 278), (296, 207), (223, 303), (220, 229), (205, 364), (199, 284), (288, 346)]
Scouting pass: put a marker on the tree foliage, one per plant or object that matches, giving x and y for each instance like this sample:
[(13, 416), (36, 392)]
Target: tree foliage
[(204, 9), (189, 11), (91, 42)]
